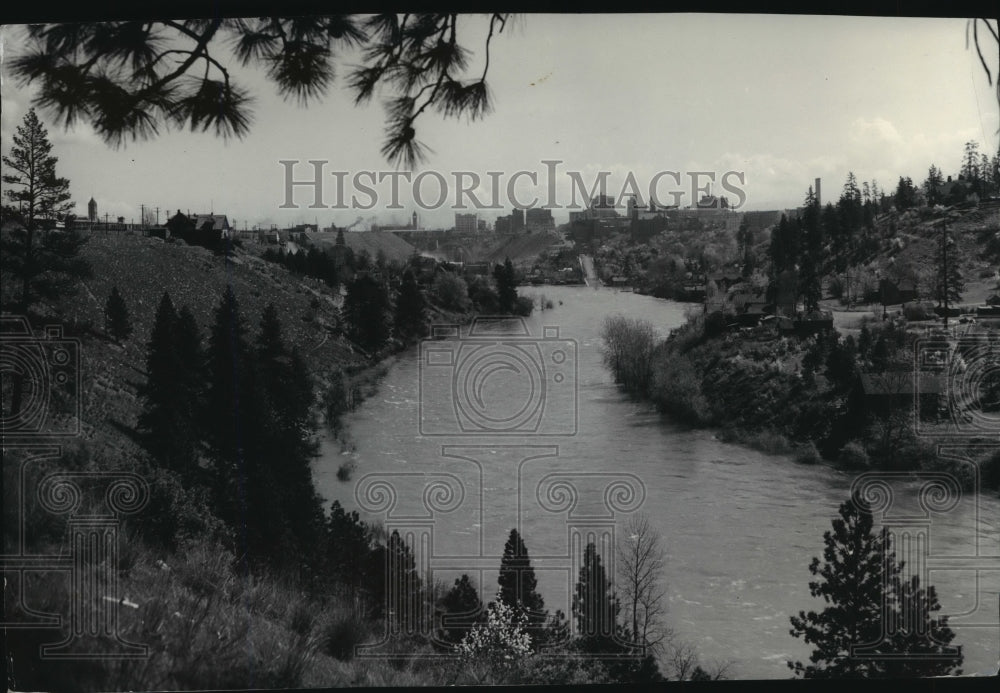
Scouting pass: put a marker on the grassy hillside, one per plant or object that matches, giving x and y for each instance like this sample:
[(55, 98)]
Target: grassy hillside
[(143, 269), (394, 247), (522, 249)]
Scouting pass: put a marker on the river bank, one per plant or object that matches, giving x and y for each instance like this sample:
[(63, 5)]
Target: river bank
[(739, 526)]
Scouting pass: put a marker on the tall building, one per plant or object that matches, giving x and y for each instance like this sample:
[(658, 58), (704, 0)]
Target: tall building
[(466, 223), (517, 220), (538, 219), (92, 210)]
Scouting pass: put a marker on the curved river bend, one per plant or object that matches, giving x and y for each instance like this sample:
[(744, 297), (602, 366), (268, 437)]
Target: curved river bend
[(740, 527)]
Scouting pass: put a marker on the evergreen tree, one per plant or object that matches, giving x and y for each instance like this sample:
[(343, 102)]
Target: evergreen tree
[(365, 311), (949, 285), (161, 374), (411, 309), (596, 607), (463, 609), (811, 261), (173, 389), (506, 285), (235, 430), (349, 546), (519, 586), (116, 318), (906, 194), (402, 596), (851, 582), (931, 185), (336, 400), (286, 446), (39, 260)]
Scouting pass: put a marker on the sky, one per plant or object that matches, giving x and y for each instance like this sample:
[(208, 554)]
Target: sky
[(782, 99)]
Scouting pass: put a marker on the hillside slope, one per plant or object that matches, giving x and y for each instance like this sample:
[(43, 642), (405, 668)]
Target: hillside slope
[(394, 247), (143, 269)]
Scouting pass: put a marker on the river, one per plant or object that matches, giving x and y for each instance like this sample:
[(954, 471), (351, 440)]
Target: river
[(739, 527)]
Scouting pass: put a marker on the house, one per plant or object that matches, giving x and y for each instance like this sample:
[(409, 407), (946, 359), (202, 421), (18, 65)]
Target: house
[(217, 223), (806, 324), (993, 300), (892, 292), (724, 279)]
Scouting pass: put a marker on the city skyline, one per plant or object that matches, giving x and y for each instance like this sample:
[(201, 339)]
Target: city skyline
[(765, 95)]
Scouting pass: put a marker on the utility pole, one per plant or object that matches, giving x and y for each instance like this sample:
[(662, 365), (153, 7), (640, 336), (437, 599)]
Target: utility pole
[(944, 269), (142, 215)]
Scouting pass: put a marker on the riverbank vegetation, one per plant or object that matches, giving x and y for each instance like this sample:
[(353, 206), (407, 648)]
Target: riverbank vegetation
[(826, 396)]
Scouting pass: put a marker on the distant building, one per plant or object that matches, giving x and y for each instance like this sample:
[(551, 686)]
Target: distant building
[(466, 223), (538, 219), (92, 210), (481, 225), (517, 220), (502, 225), (892, 293), (212, 222)]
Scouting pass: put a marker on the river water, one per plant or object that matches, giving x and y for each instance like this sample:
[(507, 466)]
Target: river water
[(563, 454)]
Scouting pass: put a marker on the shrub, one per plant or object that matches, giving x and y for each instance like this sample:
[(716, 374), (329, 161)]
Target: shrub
[(677, 389), (715, 324), (854, 456), (918, 311), (346, 470), (989, 471), (342, 635), (524, 305), (808, 454), (451, 292)]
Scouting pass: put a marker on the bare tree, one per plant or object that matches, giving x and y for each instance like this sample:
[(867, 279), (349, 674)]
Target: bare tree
[(684, 664), (640, 563), (629, 346)]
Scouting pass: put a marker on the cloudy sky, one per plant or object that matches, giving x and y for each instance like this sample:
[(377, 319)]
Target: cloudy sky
[(783, 99)]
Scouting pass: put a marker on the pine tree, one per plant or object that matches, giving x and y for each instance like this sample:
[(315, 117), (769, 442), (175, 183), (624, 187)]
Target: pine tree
[(411, 309), (366, 311), (401, 597), (931, 185), (235, 430), (161, 374), (596, 607), (506, 284), (463, 609), (348, 548), (519, 586), (116, 318), (851, 582), (285, 447), (811, 260), (42, 262), (949, 285), (173, 389)]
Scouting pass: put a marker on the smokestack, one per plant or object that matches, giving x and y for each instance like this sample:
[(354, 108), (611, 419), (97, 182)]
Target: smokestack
[(819, 200)]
